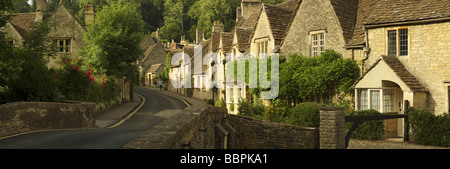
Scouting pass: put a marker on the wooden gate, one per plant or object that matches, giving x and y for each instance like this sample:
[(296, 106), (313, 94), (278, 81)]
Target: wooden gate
[(358, 120)]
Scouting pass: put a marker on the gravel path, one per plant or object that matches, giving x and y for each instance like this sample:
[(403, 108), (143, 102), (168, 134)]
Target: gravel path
[(387, 144)]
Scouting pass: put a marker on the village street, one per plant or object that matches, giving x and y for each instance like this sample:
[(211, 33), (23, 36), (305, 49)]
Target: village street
[(150, 114)]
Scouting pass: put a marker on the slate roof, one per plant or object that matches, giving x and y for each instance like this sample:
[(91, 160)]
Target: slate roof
[(402, 72)]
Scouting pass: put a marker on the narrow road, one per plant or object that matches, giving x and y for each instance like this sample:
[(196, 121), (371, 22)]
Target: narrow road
[(156, 109)]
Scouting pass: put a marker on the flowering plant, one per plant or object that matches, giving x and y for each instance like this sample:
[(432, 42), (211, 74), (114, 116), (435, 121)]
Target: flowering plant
[(81, 84)]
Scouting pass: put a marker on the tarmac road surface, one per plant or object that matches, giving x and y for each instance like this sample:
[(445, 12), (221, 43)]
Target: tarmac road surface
[(156, 109)]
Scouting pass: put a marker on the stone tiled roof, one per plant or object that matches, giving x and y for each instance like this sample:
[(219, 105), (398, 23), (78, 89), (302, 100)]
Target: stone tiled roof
[(147, 52), (226, 41), (279, 19), (388, 11), (146, 42), (22, 22), (363, 12), (346, 13), (402, 72), (243, 38), (154, 68), (373, 12), (215, 42)]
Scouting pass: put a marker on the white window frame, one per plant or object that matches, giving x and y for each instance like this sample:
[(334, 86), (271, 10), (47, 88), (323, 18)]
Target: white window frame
[(262, 46), (369, 99), (317, 39)]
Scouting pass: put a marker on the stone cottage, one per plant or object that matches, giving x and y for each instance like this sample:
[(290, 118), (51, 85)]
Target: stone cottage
[(408, 60), (66, 32), (318, 25), (151, 64)]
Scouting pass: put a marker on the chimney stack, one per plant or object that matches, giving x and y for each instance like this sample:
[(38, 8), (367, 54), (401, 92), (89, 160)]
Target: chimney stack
[(238, 13), (183, 40), (218, 27), (158, 35), (89, 15), (199, 36), (248, 7), (41, 8)]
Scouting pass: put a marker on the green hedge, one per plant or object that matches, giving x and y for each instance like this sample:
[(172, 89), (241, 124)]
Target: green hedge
[(305, 114), (428, 129), (369, 130)]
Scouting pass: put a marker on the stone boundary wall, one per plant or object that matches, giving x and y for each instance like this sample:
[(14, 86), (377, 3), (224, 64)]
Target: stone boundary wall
[(259, 134), (20, 117), (206, 127)]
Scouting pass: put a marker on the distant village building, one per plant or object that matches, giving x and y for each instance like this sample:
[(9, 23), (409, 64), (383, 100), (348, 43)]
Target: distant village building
[(151, 64)]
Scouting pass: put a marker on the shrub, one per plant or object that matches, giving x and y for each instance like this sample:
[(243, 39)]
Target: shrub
[(245, 108), (276, 111), (220, 103), (305, 114), (429, 129), (82, 85), (369, 130), (232, 106)]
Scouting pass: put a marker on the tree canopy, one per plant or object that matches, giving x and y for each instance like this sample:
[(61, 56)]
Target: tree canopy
[(304, 78), (113, 40)]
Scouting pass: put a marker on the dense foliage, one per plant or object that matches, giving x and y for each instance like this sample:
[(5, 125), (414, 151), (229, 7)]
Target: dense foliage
[(24, 75), (429, 129), (369, 130), (303, 78), (113, 40)]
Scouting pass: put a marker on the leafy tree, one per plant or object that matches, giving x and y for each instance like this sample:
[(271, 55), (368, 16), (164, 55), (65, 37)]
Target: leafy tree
[(20, 6), (113, 40), (24, 75), (173, 20), (207, 11), (303, 78)]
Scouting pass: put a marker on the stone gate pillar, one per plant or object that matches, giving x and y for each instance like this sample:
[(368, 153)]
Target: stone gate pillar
[(332, 128)]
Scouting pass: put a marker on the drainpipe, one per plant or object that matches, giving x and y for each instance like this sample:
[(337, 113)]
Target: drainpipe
[(366, 49)]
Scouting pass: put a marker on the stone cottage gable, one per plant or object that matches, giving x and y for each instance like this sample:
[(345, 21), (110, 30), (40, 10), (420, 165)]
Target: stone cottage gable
[(330, 22), (64, 26)]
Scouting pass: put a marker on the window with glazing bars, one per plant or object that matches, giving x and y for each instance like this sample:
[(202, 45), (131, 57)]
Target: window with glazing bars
[(392, 42), (388, 100), (403, 33)]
